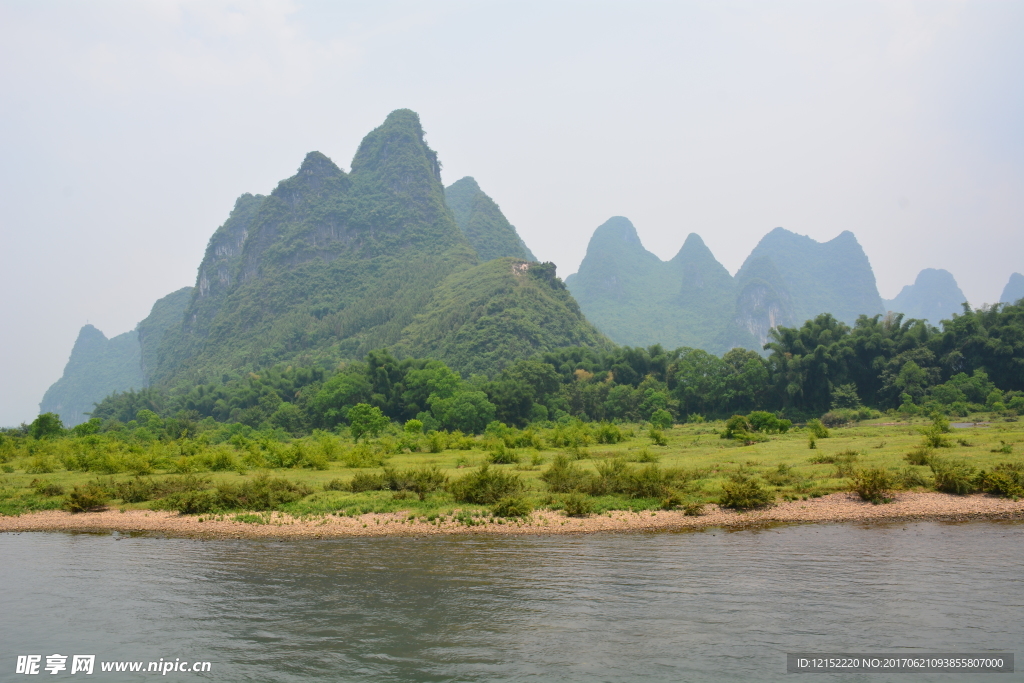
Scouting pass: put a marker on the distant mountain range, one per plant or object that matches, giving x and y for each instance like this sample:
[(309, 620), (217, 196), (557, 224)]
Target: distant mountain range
[(331, 265), (692, 300)]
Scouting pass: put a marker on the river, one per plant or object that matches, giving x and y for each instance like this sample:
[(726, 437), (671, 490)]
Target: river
[(699, 606)]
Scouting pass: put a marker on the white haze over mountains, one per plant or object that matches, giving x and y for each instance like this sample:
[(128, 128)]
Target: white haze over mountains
[(127, 130)]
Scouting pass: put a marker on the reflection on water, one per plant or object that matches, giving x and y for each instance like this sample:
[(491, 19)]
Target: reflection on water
[(703, 606)]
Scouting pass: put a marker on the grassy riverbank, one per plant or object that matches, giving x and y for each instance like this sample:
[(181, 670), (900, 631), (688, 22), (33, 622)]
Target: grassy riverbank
[(577, 469)]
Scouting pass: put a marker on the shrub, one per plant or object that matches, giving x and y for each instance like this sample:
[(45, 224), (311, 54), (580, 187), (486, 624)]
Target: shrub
[(780, 476), (817, 429), (606, 432), (577, 505), (500, 455), (671, 501), (910, 478), (178, 484), (1006, 479), (364, 455), (366, 481), (934, 436), (426, 479), (612, 477), (919, 456), (486, 486), (834, 418), (952, 476), (644, 455), (873, 485), (40, 464), (436, 441), (192, 502), (693, 509), (743, 492), (563, 476), (646, 482), (260, 493), (512, 506), (221, 460), (134, 490), (844, 462), (86, 498), (763, 421), (338, 485), (737, 427), (47, 489), (657, 437), (661, 419), (513, 438)]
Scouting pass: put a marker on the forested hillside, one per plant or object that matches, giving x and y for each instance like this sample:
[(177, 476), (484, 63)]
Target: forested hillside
[(330, 264), (823, 368), (483, 223)]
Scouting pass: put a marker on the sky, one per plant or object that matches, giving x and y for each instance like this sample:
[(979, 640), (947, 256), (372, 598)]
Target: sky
[(128, 129)]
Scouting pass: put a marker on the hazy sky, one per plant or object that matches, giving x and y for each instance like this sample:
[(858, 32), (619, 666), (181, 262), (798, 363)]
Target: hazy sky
[(127, 130)]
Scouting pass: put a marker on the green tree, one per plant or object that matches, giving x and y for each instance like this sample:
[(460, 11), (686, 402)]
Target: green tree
[(366, 419), (46, 426), (467, 411)]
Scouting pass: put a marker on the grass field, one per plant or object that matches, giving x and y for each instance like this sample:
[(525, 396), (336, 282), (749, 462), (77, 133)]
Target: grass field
[(435, 475)]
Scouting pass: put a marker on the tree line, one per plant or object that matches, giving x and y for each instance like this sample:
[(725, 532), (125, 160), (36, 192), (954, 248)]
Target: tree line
[(975, 361)]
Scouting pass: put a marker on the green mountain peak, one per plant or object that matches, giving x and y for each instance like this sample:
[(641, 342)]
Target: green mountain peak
[(934, 296), (483, 223), (1014, 290)]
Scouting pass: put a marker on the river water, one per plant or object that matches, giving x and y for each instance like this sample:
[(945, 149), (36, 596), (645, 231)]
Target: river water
[(699, 606)]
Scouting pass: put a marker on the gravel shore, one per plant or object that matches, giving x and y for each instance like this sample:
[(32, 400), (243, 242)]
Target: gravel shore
[(837, 507)]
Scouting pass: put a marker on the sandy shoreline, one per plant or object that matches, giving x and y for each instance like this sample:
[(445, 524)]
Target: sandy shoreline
[(837, 507)]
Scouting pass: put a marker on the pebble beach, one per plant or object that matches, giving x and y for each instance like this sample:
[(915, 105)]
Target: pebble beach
[(837, 507)]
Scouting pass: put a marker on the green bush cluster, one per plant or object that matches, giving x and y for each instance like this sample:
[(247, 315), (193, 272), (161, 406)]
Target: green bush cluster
[(615, 476), (486, 486), (874, 484), (743, 491)]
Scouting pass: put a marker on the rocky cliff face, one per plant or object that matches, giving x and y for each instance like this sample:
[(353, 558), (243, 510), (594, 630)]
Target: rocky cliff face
[(763, 303)]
